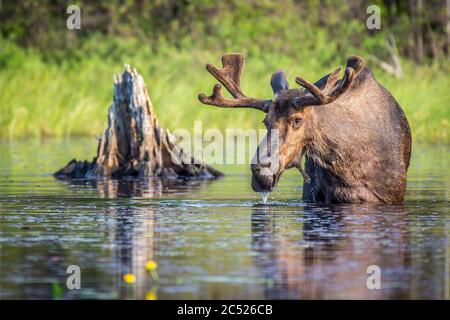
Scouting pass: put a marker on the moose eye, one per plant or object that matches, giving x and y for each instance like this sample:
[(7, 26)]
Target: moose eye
[(297, 122)]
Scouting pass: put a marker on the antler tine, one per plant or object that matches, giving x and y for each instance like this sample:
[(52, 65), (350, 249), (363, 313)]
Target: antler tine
[(332, 80), (315, 91), (333, 87), (355, 65), (217, 99), (229, 76), (344, 84)]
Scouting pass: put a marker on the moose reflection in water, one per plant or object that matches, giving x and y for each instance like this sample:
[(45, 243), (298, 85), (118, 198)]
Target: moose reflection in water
[(332, 258)]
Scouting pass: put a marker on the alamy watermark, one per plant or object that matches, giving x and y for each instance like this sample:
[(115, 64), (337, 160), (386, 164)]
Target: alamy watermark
[(236, 146), (74, 280), (373, 22), (374, 280), (74, 19)]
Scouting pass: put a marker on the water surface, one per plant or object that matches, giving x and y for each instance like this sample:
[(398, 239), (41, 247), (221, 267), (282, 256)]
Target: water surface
[(213, 239)]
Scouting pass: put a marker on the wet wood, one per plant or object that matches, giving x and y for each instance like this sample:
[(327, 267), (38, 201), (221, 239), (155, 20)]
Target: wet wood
[(134, 144)]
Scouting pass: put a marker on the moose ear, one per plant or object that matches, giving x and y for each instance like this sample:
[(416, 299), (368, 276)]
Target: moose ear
[(279, 82), (322, 82)]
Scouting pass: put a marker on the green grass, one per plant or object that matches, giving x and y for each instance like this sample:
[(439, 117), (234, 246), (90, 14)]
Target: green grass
[(70, 97)]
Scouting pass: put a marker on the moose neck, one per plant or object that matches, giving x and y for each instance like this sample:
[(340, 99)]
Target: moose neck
[(336, 134), (329, 143)]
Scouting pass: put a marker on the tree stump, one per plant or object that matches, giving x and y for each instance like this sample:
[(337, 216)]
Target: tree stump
[(134, 144)]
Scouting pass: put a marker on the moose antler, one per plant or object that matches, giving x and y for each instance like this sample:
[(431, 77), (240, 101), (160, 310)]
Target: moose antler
[(333, 87), (230, 76)]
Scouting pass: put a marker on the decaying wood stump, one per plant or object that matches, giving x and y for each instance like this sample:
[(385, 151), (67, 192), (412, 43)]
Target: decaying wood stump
[(134, 144)]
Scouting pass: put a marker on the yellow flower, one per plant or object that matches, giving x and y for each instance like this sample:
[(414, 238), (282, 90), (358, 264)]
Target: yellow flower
[(151, 265), (150, 296), (129, 278)]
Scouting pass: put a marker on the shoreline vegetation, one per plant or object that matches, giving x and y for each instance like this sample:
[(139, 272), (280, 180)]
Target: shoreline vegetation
[(58, 83)]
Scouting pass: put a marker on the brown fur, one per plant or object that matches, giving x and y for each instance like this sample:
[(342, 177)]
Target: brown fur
[(353, 133), (357, 147)]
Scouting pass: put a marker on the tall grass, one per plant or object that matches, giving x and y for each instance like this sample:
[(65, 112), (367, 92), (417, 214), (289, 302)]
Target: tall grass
[(70, 97)]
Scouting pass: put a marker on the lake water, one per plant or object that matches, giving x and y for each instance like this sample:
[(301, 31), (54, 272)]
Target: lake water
[(214, 239)]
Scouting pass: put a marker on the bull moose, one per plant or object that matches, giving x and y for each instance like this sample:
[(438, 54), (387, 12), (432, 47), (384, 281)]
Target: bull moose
[(353, 134)]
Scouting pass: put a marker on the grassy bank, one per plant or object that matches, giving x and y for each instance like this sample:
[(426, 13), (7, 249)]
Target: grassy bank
[(71, 96)]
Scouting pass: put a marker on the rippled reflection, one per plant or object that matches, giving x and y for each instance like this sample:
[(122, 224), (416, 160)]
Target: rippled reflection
[(214, 239), (337, 246)]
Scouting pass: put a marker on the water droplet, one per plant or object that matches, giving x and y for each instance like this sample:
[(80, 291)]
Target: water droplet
[(264, 196)]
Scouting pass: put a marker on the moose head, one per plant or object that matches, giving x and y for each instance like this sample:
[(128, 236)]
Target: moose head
[(319, 121)]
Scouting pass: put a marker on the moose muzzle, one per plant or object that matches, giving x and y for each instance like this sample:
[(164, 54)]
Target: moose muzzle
[(265, 164)]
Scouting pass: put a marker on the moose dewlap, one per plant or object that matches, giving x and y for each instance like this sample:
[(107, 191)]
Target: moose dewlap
[(353, 134)]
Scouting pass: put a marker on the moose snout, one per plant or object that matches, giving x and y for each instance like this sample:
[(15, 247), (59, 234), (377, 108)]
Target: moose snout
[(263, 177), (265, 164)]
